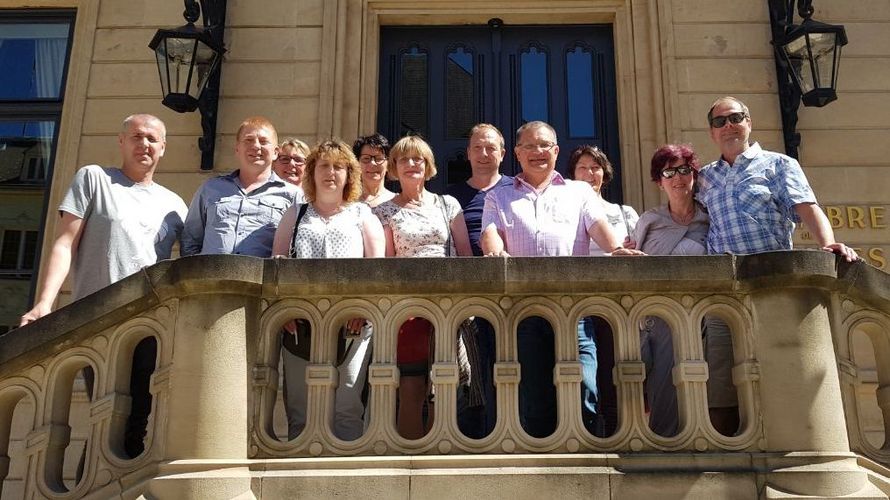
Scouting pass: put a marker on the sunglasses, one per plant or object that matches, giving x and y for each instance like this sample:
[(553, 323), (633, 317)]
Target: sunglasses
[(672, 171), (734, 118)]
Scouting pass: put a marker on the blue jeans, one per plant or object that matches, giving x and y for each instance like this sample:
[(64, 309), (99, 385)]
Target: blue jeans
[(587, 358), (537, 394)]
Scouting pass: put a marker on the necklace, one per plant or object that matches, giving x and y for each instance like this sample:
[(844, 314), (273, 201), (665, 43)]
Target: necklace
[(408, 202), (683, 219)]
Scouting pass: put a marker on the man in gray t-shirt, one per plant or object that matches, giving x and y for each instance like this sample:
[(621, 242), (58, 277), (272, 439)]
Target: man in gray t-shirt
[(114, 222)]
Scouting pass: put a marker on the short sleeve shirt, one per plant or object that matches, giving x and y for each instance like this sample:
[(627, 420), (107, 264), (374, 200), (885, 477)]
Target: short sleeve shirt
[(472, 201), (552, 222), (751, 202), (421, 231), (622, 220), (126, 226)]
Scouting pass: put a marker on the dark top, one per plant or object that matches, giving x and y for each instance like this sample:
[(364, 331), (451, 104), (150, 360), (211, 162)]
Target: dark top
[(471, 201)]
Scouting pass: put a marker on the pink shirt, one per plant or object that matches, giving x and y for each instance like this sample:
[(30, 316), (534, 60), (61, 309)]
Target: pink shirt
[(552, 222)]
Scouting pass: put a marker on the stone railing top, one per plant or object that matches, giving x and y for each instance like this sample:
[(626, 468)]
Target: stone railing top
[(272, 278)]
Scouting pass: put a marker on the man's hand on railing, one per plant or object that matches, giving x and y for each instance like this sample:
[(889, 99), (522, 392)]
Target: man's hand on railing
[(499, 253), (626, 251), (39, 311), (842, 250)]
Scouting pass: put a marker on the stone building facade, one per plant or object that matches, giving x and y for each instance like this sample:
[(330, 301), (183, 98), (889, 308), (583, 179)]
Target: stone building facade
[(315, 68)]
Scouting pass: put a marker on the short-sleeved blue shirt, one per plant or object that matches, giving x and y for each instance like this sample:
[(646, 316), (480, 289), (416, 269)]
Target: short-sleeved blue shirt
[(751, 202), (471, 201)]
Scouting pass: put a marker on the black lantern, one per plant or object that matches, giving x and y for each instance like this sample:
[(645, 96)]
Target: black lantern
[(189, 64), (187, 56), (812, 52), (807, 57)]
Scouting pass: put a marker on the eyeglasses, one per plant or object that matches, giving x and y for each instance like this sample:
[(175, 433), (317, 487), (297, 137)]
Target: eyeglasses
[(541, 146), (377, 160), (672, 171), (404, 160), (734, 118), (284, 159)]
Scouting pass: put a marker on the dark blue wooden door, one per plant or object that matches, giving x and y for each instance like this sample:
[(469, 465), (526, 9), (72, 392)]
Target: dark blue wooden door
[(440, 81)]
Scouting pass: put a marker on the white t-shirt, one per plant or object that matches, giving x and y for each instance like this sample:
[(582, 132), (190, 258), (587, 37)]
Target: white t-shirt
[(622, 219)]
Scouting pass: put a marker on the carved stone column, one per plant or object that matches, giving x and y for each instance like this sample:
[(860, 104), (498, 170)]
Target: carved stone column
[(207, 417), (803, 414)]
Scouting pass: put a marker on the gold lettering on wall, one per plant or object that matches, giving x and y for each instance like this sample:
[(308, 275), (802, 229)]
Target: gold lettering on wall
[(857, 219), (876, 257), (856, 216), (834, 216), (877, 215)]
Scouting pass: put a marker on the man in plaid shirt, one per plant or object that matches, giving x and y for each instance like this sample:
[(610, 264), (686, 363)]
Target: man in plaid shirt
[(753, 196)]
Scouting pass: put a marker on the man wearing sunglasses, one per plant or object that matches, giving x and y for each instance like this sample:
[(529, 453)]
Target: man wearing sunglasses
[(753, 196)]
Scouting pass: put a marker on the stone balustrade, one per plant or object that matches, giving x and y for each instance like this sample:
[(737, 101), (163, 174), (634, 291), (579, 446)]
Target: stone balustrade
[(804, 396)]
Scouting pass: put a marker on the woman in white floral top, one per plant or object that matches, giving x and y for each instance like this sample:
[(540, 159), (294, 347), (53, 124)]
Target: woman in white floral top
[(418, 223)]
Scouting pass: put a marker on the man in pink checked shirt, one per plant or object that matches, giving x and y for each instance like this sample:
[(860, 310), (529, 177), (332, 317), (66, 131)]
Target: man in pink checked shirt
[(542, 214)]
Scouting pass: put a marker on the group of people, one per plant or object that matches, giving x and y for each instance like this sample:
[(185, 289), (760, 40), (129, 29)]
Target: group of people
[(288, 200)]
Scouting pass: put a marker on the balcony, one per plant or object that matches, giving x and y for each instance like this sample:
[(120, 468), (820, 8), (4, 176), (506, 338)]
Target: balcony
[(814, 406)]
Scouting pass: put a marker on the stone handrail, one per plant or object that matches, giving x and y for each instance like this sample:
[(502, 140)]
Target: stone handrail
[(217, 321)]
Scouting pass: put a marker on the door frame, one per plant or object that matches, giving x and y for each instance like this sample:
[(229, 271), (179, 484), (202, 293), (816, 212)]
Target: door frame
[(348, 105)]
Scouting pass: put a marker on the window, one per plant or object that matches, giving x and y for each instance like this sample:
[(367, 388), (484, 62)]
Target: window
[(34, 53), (18, 251)]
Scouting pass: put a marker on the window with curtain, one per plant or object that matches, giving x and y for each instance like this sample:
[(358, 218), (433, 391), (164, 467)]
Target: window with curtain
[(34, 51)]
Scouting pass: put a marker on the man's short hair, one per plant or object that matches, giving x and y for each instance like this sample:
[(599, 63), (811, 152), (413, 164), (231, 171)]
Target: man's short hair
[(147, 118), (728, 98), (533, 125), (481, 127), (375, 140), (257, 122)]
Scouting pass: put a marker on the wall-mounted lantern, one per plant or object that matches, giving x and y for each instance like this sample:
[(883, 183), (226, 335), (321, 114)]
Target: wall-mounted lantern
[(807, 59), (189, 64)]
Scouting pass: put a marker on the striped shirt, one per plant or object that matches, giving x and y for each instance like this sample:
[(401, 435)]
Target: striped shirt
[(552, 222)]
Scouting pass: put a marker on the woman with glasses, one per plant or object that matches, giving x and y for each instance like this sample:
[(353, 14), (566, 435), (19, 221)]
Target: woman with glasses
[(371, 151), (589, 164), (679, 227), (332, 224), (418, 223), (291, 161)]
